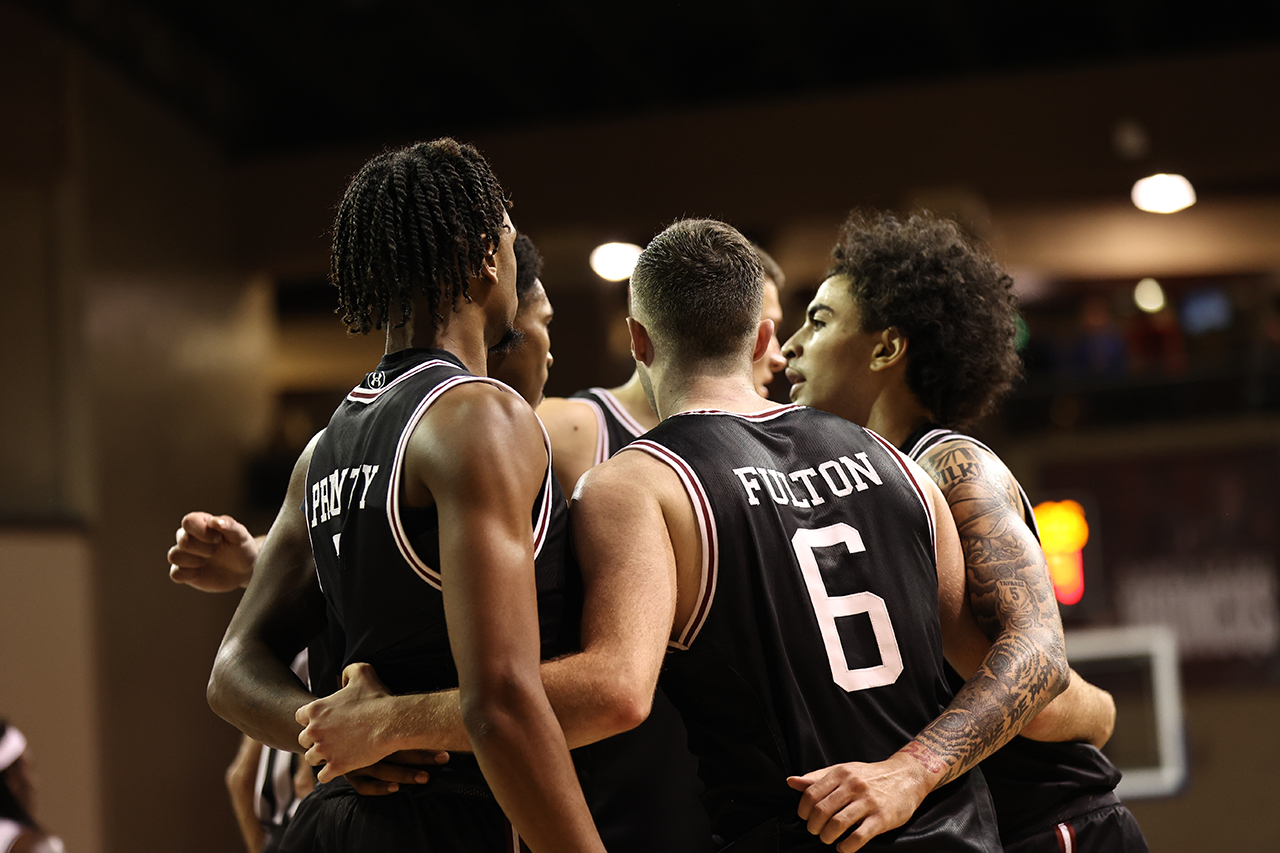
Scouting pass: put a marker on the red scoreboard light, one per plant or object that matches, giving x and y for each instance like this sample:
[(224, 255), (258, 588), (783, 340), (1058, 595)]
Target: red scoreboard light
[(1064, 530)]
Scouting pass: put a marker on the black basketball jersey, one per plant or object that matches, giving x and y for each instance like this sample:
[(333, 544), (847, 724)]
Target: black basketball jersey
[(816, 638), (615, 428), (641, 785), (1033, 783), (378, 559)]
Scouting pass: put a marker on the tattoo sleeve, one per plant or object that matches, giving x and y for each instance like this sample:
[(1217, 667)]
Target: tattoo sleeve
[(1011, 595)]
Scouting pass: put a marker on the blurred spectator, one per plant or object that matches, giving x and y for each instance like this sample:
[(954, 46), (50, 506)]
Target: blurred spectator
[(19, 832), (1098, 349), (1156, 344)]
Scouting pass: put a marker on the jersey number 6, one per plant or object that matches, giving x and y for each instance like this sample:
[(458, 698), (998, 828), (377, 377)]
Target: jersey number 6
[(828, 608)]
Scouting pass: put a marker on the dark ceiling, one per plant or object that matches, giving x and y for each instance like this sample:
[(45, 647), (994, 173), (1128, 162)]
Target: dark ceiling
[(266, 76)]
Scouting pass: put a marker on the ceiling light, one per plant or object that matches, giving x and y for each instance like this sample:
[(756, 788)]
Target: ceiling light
[(614, 261), (1149, 295), (1163, 194)]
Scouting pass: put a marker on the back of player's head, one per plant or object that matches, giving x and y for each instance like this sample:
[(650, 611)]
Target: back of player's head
[(772, 271), (697, 287), (947, 295), (528, 267), (418, 221)]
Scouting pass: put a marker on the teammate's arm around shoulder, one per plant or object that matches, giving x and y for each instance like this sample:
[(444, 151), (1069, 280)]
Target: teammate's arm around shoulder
[(629, 575), (252, 686), (480, 455), (1008, 584), (571, 425)]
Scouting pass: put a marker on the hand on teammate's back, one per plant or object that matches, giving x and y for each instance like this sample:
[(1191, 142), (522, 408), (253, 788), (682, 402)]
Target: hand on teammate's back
[(214, 553), (352, 728)]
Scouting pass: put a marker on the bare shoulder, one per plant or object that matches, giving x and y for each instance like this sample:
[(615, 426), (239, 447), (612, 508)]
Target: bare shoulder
[(566, 417), (477, 430), (572, 427), (965, 471), (630, 475), (478, 411)]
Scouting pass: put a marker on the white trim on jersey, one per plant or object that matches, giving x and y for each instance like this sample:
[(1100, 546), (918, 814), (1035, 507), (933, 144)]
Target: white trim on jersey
[(548, 494), (398, 532), (928, 439), (602, 429), (1066, 838), (632, 425), (935, 437), (368, 395), (911, 469), (762, 415), (706, 529)]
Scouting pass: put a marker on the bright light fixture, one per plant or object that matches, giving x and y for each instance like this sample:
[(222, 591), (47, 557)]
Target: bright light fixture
[(1149, 295), (614, 261), (1163, 194)]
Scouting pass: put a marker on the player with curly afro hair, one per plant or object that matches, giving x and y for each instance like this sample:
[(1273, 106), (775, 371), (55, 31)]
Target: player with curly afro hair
[(912, 335), (947, 296)]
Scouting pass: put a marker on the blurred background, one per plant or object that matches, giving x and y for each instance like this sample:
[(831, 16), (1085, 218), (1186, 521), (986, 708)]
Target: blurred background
[(168, 172)]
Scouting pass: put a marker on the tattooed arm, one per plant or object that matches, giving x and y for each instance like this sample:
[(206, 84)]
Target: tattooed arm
[(872, 798), (1012, 599)]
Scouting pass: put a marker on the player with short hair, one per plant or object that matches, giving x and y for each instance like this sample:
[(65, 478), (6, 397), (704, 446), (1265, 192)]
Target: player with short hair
[(593, 424), (912, 335), (799, 571), (435, 524)]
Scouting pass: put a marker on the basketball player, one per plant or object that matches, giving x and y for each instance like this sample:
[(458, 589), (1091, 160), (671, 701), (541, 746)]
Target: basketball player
[(641, 783), (912, 336), (804, 576), (437, 565), (217, 554), (589, 426)]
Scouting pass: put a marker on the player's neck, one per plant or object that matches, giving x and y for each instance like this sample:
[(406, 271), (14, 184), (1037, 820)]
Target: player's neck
[(724, 393), (896, 414), (632, 397), (460, 333)]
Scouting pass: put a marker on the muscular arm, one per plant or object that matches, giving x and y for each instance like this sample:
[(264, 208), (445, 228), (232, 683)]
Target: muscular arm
[(1082, 712), (1011, 597), (251, 686), (571, 426), (605, 689), (487, 577), (994, 704)]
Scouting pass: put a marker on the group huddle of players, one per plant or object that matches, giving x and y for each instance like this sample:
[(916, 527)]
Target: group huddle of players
[(758, 626)]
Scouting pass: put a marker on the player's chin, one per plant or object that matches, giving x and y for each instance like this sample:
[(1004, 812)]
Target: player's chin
[(796, 393)]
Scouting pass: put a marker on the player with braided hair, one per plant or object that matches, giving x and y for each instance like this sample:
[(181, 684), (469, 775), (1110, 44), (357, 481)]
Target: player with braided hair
[(432, 540)]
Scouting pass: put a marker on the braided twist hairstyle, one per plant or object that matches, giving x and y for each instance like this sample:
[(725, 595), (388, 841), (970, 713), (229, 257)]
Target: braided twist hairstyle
[(416, 221)]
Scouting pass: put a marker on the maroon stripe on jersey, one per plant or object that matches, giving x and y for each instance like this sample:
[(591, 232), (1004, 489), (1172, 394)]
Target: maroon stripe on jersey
[(398, 532), (360, 394), (706, 522), (898, 457), (624, 417), (764, 415), (1066, 835), (548, 495)]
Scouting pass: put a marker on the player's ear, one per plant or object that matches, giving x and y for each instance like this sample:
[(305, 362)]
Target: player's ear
[(641, 343), (488, 272), (890, 349), (764, 336)]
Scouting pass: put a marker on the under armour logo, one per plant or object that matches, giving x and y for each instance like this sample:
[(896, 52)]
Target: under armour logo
[(377, 379)]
